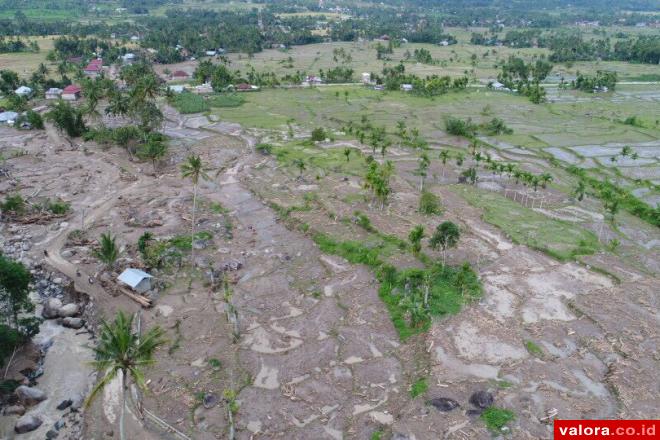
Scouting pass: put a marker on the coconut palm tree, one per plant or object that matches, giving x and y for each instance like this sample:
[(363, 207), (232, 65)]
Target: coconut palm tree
[(121, 351), (154, 150), (422, 169), (108, 251), (193, 169), (347, 153), (415, 237), (580, 190), (545, 179), (300, 164)]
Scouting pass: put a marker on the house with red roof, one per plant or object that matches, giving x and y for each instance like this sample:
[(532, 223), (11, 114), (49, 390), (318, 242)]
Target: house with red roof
[(180, 74), (71, 93), (94, 68)]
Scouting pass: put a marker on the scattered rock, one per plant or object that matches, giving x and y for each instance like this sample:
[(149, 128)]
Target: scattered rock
[(57, 280), (68, 310), (473, 412), (482, 399), (231, 265), (64, 404), (74, 323), (444, 404), (60, 424), (51, 308), (200, 244), (67, 253), (14, 410), (52, 434), (210, 400), (27, 423), (30, 396)]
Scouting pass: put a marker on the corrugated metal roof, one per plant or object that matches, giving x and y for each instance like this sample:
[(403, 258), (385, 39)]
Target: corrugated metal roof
[(133, 277)]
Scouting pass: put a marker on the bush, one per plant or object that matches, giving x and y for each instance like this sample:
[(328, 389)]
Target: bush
[(459, 127), (497, 418), (14, 204), (58, 207), (264, 148), (187, 103), (429, 203), (419, 387), (496, 126), (318, 134), (35, 119)]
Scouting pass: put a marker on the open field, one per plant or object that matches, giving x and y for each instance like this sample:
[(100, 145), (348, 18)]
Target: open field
[(24, 63)]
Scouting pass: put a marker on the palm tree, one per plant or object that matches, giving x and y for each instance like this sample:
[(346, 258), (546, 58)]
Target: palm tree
[(580, 190), (460, 157), (121, 350), (545, 179), (347, 153), (415, 237), (154, 150), (444, 155), (300, 164), (193, 169), (422, 169), (108, 251)]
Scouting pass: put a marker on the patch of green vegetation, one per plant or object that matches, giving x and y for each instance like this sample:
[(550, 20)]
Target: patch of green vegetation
[(215, 363), (377, 435), (184, 242), (331, 159), (412, 296), (13, 203), (419, 387), (497, 418), (534, 349), (429, 204), (225, 101), (556, 238), (58, 207), (187, 103), (264, 148), (503, 384)]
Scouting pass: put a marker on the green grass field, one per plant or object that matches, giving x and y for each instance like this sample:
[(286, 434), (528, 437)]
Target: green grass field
[(560, 239), (591, 121)]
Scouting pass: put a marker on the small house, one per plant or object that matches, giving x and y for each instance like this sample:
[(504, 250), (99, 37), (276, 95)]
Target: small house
[(366, 78), (71, 93), (176, 89), (406, 87), (8, 117), (128, 58), (244, 87), (94, 68), (136, 279), (180, 74), (211, 53), (312, 80), (23, 91), (53, 93)]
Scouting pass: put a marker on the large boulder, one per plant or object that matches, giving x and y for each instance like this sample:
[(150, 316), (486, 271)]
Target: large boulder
[(444, 404), (51, 308), (482, 399), (74, 323), (14, 410), (29, 396), (68, 310), (27, 423)]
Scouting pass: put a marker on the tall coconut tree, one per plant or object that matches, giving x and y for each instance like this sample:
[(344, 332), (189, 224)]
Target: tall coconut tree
[(193, 169), (122, 351)]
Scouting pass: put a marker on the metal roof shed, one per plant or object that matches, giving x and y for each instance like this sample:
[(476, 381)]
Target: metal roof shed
[(136, 279)]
